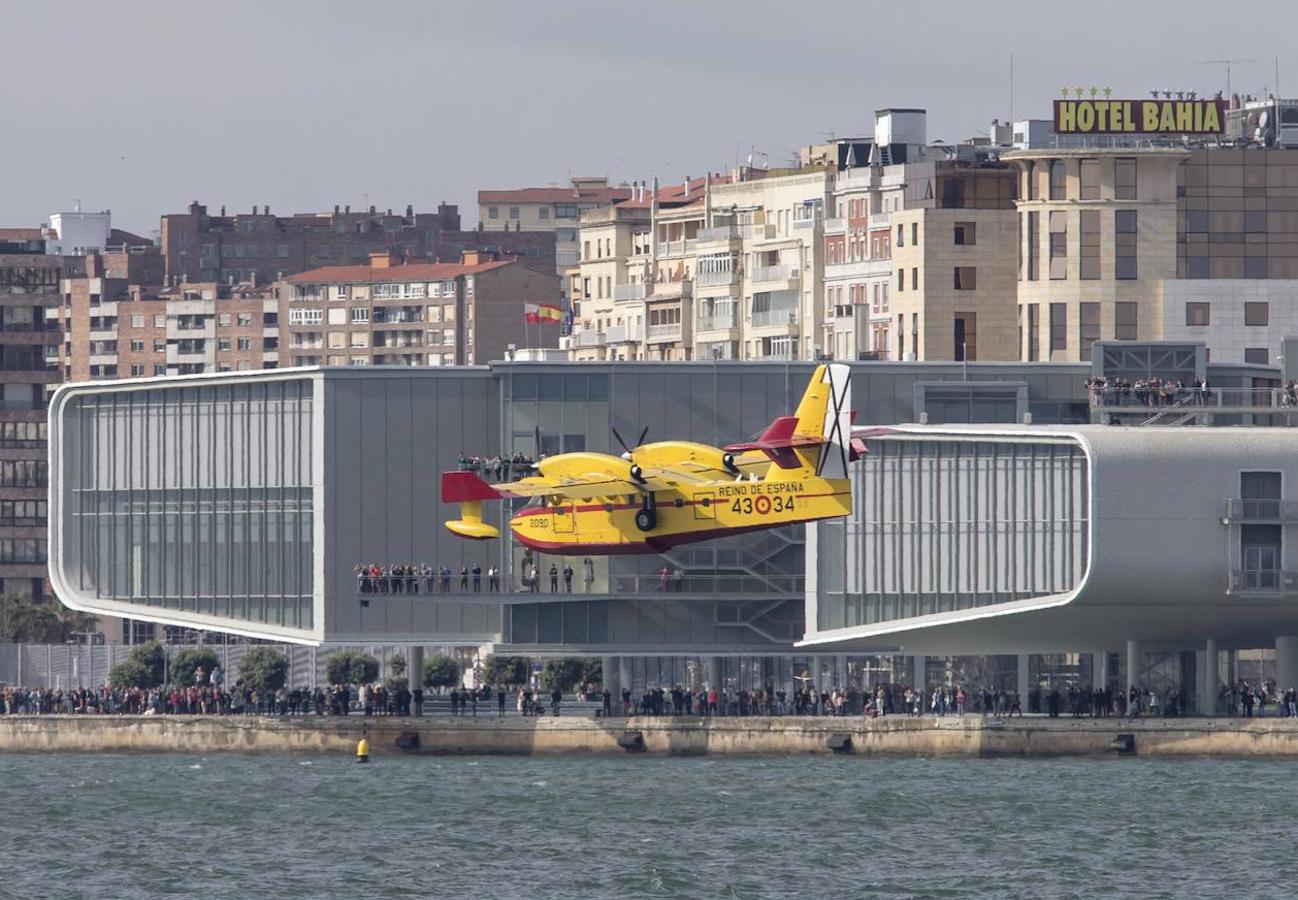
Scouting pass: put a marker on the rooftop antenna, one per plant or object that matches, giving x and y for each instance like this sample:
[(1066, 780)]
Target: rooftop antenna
[(1227, 63), (1011, 90)]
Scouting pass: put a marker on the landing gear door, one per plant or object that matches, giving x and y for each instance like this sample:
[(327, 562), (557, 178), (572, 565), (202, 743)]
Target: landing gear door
[(565, 520), (705, 506)]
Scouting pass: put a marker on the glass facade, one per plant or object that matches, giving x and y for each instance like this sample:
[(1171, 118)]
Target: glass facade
[(195, 499), (941, 524)]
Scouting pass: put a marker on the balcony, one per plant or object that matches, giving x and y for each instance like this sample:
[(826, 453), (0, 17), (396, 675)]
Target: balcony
[(1267, 582), (720, 233), (718, 321), (757, 232), (670, 290), (780, 277), (807, 224), (677, 248), (664, 333), (622, 334), (769, 318), (1239, 510), (589, 339), (836, 225), (629, 291), (714, 279)]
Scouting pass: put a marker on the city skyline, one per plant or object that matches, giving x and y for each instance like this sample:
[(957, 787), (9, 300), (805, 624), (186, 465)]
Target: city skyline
[(262, 106)]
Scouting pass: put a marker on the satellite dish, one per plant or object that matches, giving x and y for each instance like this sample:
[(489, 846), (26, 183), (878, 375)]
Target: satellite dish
[(1263, 119)]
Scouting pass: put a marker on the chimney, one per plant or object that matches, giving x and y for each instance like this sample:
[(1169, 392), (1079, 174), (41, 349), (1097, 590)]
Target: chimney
[(347, 210), (254, 209), (687, 186), (410, 211), (384, 259), (265, 210), (222, 210), (335, 209), (471, 257), (371, 209), (389, 210)]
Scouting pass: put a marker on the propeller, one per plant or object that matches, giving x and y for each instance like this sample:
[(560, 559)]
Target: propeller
[(636, 473)]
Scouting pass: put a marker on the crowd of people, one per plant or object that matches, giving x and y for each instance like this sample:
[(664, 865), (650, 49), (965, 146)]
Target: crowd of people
[(500, 467), (1146, 392), (415, 578)]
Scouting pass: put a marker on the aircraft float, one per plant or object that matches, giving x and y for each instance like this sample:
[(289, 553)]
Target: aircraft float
[(658, 495)]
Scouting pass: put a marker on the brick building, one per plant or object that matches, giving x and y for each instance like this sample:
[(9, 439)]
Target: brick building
[(390, 313), (259, 248)]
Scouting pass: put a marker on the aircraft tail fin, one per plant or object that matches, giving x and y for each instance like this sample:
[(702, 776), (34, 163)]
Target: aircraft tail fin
[(816, 438)]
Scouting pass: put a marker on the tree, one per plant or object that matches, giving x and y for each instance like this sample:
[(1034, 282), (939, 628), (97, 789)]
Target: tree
[(186, 661), (144, 668), (351, 667), (504, 671), (441, 671), (397, 680), (263, 669), (21, 620), (567, 672)]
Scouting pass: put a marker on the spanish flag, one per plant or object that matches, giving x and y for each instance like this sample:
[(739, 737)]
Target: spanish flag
[(542, 313)]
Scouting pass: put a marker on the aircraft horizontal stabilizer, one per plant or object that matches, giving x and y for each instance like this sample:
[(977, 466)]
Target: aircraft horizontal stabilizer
[(778, 441)]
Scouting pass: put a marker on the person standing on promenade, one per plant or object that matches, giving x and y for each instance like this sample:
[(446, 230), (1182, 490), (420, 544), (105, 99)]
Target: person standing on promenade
[(556, 697)]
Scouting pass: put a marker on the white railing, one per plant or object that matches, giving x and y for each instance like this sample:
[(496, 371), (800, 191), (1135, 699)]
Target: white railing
[(717, 321), (619, 334), (720, 233), (774, 273), (629, 291), (800, 224), (835, 225), (758, 232), (589, 338), (676, 248), (714, 278), (668, 289), (670, 332), (768, 317)]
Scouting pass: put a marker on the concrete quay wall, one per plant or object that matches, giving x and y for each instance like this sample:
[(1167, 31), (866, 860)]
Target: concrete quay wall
[(895, 736)]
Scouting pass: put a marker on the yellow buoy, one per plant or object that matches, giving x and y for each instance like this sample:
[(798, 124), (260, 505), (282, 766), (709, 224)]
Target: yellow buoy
[(363, 751)]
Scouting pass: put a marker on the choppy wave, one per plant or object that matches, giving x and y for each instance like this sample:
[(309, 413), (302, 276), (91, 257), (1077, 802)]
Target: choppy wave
[(576, 827)]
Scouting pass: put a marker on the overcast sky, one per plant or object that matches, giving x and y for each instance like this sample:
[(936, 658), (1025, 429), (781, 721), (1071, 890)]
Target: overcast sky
[(143, 106)]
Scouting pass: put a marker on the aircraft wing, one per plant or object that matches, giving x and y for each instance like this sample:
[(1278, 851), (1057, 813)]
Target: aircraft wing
[(696, 474), (461, 486)]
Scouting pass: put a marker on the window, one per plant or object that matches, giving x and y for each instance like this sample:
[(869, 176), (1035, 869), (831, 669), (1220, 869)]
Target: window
[(1088, 331), (493, 212), (1124, 178), (244, 319), (901, 232), (223, 320), (965, 335), (137, 321), (1089, 258), (137, 371), (901, 280), (223, 344), (361, 314), (159, 368), (270, 318), (159, 321), (1125, 320), (1033, 320), (544, 213), (914, 234), (966, 278), (1090, 180), (1124, 244), (513, 212), (338, 316), (1058, 328), (1034, 225), (243, 343), (914, 279), (137, 346), (966, 234), (1058, 180), (1257, 314), (159, 345), (1058, 245), (914, 334), (1258, 356), (1197, 314), (305, 316), (565, 211)]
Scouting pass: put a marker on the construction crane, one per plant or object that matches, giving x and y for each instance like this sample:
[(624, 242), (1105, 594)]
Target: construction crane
[(1224, 62)]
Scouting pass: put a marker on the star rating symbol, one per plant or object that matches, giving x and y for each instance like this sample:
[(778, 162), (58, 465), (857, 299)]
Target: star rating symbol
[(1108, 92), (1077, 92), (1094, 91)]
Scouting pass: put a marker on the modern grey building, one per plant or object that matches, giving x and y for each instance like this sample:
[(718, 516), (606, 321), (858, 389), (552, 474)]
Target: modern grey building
[(243, 502)]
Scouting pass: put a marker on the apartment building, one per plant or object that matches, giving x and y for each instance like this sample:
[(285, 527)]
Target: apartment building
[(30, 280), (554, 210), (390, 312), (259, 248)]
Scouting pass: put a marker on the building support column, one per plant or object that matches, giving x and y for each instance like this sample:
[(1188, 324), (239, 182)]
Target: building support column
[(715, 669), (918, 678), (1211, 680), (1286, 662), (611, 683), (1099, 670), (415, 672), (816, 677), (1133, 664), (1024, 680)]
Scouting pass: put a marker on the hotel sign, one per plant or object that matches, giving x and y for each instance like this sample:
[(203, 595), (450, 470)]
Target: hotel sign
[(1140, 116)]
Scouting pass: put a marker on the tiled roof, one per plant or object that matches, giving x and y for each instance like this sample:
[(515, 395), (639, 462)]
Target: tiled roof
[(674, 194), (117, 237), (556, 195), (383, 274), (20, 234)]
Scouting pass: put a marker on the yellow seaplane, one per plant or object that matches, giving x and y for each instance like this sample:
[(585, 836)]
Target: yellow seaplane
[(661, 494)]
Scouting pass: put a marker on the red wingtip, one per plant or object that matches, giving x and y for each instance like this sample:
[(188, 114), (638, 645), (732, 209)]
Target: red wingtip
[(459, 487)]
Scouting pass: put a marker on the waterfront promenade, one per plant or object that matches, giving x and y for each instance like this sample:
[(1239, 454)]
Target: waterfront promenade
[(893, 736)]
